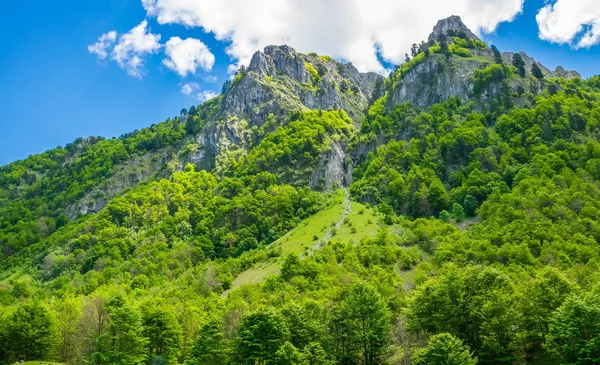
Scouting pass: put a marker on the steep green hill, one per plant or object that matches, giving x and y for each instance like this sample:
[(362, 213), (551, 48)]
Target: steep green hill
[(341, 220), (312, 214)]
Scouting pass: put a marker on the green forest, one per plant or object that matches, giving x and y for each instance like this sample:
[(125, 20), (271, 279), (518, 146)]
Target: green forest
[(467, 234)]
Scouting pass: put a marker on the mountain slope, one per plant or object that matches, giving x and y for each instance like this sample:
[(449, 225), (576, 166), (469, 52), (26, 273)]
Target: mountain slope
[(309, 199)]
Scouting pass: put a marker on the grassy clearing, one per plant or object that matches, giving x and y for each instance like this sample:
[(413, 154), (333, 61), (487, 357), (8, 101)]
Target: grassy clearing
[(42, 363), (360, 222), (298, 241), (301, 239), (481, 59)]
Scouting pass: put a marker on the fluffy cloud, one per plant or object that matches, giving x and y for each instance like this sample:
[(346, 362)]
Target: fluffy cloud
[(210, 78), (129, 51), (104, 43), (134, 45), (186, 56), (576, 22), (206, 95), (193, 89), (354, 30), (189, 88)]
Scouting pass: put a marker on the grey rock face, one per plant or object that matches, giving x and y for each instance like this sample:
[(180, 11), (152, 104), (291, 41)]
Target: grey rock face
[(436, 80), (286, 61), (131, 174), (279, 80), (331, 170), (561, 72), (207, 147), (453, 23)]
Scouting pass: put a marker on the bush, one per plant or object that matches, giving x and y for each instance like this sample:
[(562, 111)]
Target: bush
[(460, 51), (314, 74), (483, 78)]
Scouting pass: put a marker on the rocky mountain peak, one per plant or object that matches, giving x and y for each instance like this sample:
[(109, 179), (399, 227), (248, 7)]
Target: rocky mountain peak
[(280, 79), (529, 61), (570, 74), (277, 81), (282, 60), (453, 24)]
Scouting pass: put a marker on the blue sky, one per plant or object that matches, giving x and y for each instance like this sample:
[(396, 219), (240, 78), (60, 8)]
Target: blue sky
[(54, 90)]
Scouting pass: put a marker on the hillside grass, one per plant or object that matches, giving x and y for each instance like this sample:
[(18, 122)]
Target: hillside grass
[(362, 222), (480, 59), (353, 225)]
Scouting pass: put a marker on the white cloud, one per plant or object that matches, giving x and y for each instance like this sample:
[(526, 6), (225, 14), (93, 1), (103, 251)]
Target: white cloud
[(186, 56), (134, 45), (210, 78), (193, 89), (105, 42), (576, 22), (129, 51), (353, 30), (206, 95), (189, 88)]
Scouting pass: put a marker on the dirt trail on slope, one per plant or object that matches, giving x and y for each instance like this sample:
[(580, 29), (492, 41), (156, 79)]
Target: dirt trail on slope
[(329, 234)]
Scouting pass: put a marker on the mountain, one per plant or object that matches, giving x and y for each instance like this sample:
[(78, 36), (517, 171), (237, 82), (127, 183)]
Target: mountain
[(314, 214)]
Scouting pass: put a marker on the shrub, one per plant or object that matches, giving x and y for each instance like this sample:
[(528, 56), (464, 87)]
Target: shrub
[(314, 74), (483, 78), (459, 51)]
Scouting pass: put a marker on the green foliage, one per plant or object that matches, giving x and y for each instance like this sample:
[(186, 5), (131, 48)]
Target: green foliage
[(293, 151), (29, 332), (519, 64), (497, 56), (124, 341), (574, 330), (314, 74), (68, 312), (291, 267), (36, 193), (163, 334), (326, 59), (344, 86), (313, 354), (536, 71), (459, 301), (459, 51), (470, 205), (468, 42), (458, 212), (491, 74), (260, 336), (288, 354), (360, 326), (444, 349), (210, 347), (237, 78)]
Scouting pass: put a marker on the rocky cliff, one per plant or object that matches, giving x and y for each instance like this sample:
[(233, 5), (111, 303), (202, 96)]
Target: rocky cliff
[(448, 65), (280, 79), (507, 57), (451, 25)]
